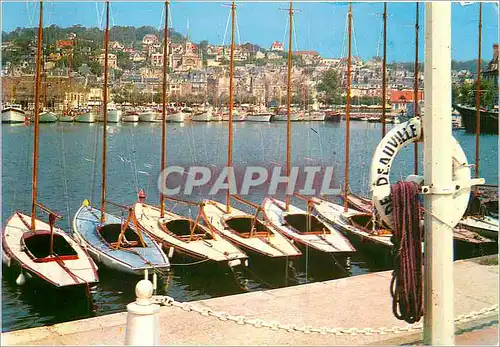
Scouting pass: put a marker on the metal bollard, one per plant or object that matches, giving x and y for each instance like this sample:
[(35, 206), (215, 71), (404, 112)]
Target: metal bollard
[(143, 318)]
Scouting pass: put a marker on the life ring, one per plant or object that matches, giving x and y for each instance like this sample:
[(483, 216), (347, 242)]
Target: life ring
[(396, 139)]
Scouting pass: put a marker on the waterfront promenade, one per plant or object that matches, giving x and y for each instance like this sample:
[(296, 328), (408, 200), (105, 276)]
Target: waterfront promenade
[(355, 302)]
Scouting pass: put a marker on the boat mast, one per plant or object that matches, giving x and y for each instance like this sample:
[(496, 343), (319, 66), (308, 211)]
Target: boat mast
[(105, 112), (231, 92), (348, 109), (478, 92), (384, 67), (164, 106), (415, 85), (37, 119), (289, 101)]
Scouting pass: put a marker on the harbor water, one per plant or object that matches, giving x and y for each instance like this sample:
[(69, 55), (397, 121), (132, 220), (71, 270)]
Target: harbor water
[(69, 172)]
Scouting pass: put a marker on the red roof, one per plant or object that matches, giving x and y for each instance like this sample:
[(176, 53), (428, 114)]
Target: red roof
[(64, 43), (404, 96), (306, 53)]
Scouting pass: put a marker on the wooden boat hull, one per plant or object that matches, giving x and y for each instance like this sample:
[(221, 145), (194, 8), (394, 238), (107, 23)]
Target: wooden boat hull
[(87, 117), (335, 215), (273, 244), (489, 120), (328, 240), (486, 226), (133, 260), (359, 203), (11, 115), (216, 249), (331, 116), (72, 267)]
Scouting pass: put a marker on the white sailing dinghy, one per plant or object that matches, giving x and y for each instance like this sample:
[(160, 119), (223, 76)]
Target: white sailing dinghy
[(37, 248), (245, 230), (353, 223), (292, 221), (63, 264), (304, 228), (248, 232), (110, 241), (176, 233), (187, 237)]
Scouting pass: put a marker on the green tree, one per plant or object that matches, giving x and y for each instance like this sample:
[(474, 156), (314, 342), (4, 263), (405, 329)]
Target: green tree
[(95, 67), (329, 87), (468, 91), (487, 93), (465, 94)]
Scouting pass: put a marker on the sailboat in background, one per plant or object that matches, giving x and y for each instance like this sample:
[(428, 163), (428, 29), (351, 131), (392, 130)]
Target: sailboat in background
[(297, 224), (247, 231), (37, 248), (176, 233), (67, 116), (110, 241), (478, 219), (46, 116), (86, 116)]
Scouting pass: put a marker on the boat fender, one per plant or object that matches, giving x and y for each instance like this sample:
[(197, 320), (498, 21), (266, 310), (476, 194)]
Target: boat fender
[(396, 139), (171, 252), (20, 280), (6, 259)]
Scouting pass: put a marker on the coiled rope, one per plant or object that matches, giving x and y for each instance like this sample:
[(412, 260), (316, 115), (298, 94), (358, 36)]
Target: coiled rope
[(407, 277)]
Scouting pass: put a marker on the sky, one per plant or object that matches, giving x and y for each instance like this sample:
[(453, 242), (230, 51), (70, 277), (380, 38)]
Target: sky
[(318, 26)]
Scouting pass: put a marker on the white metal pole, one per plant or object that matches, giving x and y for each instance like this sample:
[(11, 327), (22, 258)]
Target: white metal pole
[(439, 327)]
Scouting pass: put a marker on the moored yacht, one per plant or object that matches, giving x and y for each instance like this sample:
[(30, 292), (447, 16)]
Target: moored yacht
[(86, 116), (13, 114)]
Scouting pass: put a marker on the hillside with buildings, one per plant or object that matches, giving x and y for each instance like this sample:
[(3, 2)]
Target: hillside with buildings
[(73, 60)]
